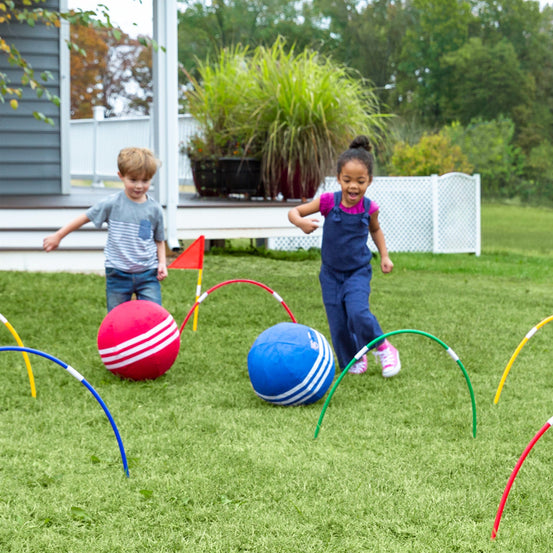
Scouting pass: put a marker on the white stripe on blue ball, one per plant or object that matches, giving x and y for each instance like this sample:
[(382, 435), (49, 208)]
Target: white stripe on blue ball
[(319, 375)]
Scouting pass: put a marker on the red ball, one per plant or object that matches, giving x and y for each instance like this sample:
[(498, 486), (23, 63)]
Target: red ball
[(138, 340)]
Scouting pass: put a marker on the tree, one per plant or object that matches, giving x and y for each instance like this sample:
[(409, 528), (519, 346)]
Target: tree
[(484, 81), (206, 28), (367, 38), (141, 74), (530, 32), (110, 71), (31, 12), (86, 70), (490, 149), (437, 29)]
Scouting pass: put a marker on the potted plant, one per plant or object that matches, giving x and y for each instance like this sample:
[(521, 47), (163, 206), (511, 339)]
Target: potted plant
[(312, 108), (293, 113), (240, 169), (227, 144), (204, 164)]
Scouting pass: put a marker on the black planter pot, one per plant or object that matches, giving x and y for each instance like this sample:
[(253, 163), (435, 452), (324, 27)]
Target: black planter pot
[(241, 176), (205, 173), (227, 175)]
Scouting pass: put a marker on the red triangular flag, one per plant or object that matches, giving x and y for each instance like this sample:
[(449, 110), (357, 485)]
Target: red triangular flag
[(192, 257)]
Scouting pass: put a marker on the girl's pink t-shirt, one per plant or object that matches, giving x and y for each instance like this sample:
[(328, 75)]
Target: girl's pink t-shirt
[(327, 203)]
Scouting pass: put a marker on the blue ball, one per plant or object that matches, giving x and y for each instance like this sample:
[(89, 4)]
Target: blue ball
[(291, 364)]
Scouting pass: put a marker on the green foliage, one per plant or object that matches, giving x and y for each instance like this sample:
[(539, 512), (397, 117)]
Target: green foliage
[(223, 101), (408, 130), (205, 28), (490, 76), (430, 62), (538, 175), (489, 148), (32, 13), (311, 108), (420, 75), (433, 154), (540, 162)]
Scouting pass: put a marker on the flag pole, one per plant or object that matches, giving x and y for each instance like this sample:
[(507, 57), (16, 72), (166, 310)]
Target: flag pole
[(198, 294)]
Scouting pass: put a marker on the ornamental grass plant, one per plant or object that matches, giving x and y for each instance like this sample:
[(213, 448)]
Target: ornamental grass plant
[(296, 111), (213, 468), (221, 101), (312, 107)]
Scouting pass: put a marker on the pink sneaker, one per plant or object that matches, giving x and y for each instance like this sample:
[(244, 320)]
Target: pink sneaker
[(359, 367), (389, 359)]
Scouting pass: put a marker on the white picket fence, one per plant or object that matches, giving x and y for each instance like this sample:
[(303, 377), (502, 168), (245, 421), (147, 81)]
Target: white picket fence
[(418, 214)]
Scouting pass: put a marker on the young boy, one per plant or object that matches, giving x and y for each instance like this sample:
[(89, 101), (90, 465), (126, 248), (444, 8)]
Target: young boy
[(135, 250)]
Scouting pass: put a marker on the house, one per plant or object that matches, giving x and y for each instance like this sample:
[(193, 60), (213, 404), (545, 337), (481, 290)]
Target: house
[(36, 196), (33, 154)]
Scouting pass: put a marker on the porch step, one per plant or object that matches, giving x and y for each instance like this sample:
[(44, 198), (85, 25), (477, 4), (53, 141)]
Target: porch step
[(31, 239), (70, 261), (25, 221), (22, 231)]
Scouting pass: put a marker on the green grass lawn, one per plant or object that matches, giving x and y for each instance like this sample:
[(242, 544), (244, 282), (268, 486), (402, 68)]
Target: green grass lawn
[(213, 468), (519, 229)]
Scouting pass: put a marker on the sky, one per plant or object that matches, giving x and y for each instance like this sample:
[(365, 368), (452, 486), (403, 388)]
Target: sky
[(132, 16)]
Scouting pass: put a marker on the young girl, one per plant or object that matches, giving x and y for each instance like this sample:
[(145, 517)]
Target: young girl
[(346, 269)]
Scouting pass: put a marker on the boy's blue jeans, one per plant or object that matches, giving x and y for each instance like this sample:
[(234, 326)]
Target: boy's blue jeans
[(120, 286)]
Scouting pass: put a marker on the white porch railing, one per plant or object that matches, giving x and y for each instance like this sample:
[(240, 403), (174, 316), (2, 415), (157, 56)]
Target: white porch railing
[(96, 142)]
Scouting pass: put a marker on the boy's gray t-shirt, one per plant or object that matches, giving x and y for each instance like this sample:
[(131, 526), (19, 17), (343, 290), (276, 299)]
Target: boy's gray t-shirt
[(133, 229)]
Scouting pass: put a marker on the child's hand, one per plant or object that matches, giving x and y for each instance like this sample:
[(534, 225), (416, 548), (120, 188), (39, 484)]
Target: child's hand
[(161, 271), (386, 264), (308, 225), (51, 242)]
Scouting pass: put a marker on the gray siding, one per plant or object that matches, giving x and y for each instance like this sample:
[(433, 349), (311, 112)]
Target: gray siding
[(30, 150)]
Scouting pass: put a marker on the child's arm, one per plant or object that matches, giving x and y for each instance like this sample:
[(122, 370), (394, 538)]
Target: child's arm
[(161, 260), (298, 216), (52, 241), (378, 238)]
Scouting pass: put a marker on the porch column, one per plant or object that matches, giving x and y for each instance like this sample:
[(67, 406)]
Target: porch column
[(165, 113)]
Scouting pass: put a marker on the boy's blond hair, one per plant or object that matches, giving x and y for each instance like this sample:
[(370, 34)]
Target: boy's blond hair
[(137, 162)]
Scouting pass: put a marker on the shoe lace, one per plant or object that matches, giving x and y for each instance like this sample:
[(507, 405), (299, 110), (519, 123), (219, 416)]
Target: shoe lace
[(387, 357)]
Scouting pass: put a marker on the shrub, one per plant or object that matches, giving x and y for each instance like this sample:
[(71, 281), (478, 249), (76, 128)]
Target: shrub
[(433, 154), (488, 147), (539, 171)]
